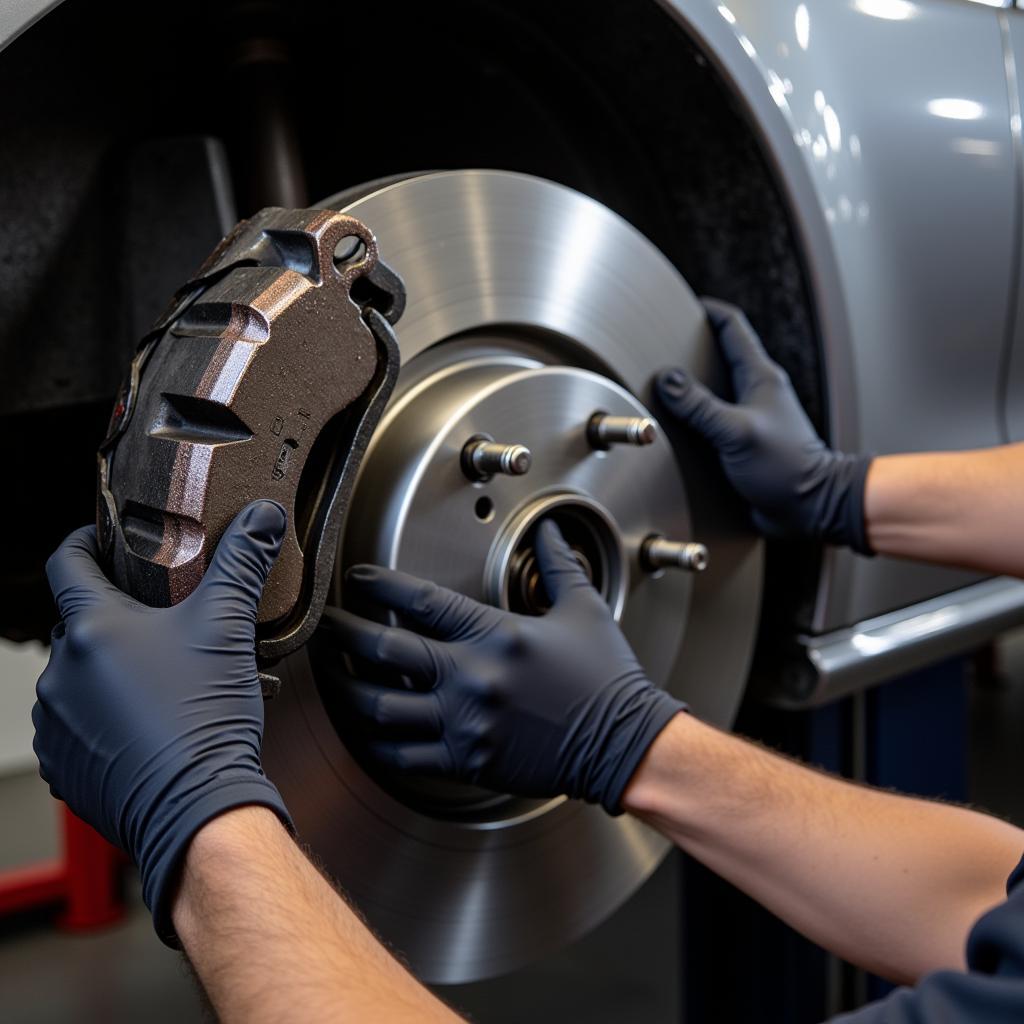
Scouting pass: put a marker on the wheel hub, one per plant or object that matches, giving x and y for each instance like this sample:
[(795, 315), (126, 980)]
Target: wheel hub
[(513, 574), (418, 510)]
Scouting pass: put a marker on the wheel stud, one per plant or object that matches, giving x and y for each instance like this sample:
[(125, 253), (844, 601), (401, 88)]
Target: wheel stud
[(603, 430), (658, 553), (482, 458)]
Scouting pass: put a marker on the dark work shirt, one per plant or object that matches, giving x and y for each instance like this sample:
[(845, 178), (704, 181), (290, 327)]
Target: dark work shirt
[(990, 991)]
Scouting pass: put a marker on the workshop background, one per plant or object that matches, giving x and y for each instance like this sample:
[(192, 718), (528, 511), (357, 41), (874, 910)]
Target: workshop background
[(849, 172)]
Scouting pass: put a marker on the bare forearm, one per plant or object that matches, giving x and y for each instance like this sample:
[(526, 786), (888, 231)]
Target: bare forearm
[(888, 882), (272, 941), (956, 508)]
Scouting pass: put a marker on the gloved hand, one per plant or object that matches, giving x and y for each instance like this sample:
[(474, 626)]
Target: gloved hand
[(536, 706), (149, 720), (770, 452)]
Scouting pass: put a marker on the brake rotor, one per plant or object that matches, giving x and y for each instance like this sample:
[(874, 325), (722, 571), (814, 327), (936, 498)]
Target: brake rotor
[(530, 308)]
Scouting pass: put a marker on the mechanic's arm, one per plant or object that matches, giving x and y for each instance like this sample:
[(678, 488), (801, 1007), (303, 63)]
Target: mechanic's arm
[(272, 941), (559, 704), (149, 723), (890, 883), (957, 508)]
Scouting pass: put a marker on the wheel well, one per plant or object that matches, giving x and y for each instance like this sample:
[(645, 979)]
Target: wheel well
[(612, 99)]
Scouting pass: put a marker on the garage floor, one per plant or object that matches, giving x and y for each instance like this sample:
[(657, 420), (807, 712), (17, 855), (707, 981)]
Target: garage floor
[(125, 974)]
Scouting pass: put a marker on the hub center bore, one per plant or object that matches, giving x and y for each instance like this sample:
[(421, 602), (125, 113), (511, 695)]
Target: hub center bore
[(513, 579)]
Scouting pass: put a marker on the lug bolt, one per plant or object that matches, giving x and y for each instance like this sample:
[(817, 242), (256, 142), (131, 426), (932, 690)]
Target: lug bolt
[(603, 430), (482, 458), (658, 553)]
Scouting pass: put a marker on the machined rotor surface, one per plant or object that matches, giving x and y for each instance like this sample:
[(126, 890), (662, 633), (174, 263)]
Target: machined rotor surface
[(530, 307)]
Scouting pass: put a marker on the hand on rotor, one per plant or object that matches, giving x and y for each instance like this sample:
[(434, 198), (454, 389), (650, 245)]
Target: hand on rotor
[(536, 706), (795, 483)]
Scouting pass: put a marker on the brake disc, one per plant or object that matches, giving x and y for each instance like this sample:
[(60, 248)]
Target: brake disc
[(531, 308)]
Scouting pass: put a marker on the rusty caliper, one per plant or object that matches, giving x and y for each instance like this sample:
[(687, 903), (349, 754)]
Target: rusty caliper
[(264, 379)]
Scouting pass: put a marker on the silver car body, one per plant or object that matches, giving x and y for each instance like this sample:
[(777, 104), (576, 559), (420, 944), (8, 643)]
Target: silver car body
[(895, 130)]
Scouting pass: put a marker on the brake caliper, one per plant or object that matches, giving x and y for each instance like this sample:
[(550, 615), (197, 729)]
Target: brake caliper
[(265, 379)]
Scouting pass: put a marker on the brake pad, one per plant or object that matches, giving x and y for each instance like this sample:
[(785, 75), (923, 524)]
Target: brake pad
[(264, 379)]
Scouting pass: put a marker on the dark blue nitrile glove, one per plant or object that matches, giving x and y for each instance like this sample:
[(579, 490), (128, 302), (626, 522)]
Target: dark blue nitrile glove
[(535, 706), (795, 484), (149, 720)]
